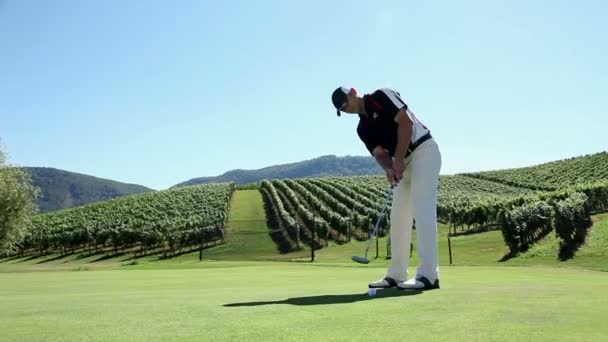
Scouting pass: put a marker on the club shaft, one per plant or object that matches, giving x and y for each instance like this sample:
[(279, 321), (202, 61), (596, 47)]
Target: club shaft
[(375, 231)]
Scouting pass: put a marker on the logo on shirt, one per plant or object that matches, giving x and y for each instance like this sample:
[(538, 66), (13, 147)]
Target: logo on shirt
[(375, 116)]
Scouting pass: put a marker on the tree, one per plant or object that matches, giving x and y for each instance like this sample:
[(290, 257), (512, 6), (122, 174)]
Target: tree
[(17, 203)]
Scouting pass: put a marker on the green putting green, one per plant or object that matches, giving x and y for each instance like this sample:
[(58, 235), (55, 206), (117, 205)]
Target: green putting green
[(293, 301)]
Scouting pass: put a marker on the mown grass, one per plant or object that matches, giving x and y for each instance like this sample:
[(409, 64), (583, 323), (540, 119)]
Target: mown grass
[(297, 301), (245, 290)]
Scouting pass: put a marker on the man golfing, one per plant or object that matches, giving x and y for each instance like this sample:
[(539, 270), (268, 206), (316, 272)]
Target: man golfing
[(404, 148)]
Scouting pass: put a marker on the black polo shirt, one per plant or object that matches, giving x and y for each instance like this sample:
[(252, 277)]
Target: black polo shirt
[(378, 127)]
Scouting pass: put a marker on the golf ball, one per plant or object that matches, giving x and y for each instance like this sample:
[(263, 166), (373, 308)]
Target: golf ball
[(371, 292)]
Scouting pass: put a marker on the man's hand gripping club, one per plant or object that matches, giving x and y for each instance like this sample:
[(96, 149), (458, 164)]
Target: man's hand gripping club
[(395, 168)]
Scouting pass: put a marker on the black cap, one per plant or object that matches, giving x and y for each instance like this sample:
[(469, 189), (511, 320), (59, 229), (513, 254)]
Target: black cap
[(338, 97)]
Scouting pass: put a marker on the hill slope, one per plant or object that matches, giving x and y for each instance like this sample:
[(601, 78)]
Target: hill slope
[(336, 206), (545, 176), (323, 166), (63, 189), (247, 236)]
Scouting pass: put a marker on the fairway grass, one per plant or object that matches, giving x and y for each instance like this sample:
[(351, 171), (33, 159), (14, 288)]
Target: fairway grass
[(245, 290), (294, 302), (246, 231)]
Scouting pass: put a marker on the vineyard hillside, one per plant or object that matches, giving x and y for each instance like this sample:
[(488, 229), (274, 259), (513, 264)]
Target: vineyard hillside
[(552, 176), (525, 204), (166, 222), (282, 216)]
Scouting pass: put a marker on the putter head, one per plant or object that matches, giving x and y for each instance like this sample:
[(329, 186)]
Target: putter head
[(360, 260)]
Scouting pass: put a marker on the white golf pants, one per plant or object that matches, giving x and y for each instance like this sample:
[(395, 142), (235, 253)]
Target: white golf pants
[(415, 198)]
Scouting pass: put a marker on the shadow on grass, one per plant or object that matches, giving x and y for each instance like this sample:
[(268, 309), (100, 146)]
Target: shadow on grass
[(30, 258), (569, 247), (107, 257), (331, 299), (133, 257), (507, 257), (7, 259), (54, 258), (85, 255)]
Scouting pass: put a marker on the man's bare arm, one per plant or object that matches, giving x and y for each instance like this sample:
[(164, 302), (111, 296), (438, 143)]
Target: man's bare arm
[(404, 133)]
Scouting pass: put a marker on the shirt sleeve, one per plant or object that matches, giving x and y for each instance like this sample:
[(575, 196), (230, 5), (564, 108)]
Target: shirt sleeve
[(368, 139), (388, 101)]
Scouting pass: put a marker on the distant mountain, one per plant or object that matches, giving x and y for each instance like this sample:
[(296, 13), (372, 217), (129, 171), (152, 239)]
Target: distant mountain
[(329, 165), (63, 189)]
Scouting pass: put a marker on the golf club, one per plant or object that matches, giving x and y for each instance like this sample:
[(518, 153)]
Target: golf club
[(365, 260)]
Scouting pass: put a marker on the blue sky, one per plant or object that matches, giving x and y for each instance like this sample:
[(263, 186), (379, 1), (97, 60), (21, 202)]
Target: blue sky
[(158, 92)]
